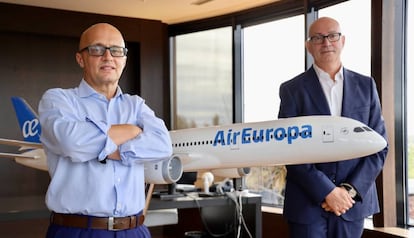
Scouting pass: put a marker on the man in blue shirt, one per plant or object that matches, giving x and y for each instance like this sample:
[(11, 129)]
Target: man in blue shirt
[(97, 140)]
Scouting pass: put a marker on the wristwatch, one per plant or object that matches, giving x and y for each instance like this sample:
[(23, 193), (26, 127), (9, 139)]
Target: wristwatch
[(351, 190)]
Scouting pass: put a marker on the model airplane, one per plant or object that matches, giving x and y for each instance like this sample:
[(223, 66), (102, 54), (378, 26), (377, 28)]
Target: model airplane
[(228, 150)]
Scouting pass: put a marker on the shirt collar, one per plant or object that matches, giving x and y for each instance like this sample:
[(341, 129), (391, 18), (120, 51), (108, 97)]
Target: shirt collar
[(322, 75), (85, 90)]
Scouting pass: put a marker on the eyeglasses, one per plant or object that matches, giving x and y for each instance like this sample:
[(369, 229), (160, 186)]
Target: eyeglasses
[(319, 39), (99, 50)]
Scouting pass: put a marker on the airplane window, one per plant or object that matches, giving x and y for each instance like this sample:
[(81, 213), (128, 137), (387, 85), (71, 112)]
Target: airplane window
[(358, 129), (367, 128)]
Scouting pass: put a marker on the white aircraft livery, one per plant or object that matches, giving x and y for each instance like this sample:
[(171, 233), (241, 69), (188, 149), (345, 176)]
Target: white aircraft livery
[(230, 150)]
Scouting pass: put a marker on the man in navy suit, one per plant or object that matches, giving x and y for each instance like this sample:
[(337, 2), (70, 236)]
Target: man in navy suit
[(331, 199)]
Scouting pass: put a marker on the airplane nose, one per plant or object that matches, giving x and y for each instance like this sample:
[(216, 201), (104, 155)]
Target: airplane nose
[(376, 141), (366, 140), (348, 138)]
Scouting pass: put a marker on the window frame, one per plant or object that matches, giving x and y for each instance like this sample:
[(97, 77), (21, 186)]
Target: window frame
[(393, 206)]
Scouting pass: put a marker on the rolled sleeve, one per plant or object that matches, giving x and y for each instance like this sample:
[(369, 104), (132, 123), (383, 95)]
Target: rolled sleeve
[(154, 143), (110, 145)]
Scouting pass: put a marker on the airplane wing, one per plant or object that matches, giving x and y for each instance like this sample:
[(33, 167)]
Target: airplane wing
[(22, 156), (33, 155), (22, 144)]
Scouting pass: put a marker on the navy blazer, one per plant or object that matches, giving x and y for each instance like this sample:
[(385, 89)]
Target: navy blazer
[(308, 184)]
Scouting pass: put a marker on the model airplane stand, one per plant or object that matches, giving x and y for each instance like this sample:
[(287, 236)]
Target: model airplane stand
[(170, 194)]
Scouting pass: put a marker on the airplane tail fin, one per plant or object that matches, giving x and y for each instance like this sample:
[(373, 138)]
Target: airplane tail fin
[(28, 120)]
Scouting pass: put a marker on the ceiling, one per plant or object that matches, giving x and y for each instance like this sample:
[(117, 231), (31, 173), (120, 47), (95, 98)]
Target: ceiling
[(167, 11)]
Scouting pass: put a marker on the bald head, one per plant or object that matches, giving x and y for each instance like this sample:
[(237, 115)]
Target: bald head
[(324, 24), (101, 33)]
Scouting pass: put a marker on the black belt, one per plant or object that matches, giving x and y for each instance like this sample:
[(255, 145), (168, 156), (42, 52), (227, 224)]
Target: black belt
[(106, 223)]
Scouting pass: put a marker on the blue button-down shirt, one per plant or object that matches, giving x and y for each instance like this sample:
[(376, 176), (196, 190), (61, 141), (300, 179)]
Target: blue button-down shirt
[(75, 124)]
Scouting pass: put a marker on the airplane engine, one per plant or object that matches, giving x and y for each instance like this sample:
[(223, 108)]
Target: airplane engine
[(164, 172), (231, 173)]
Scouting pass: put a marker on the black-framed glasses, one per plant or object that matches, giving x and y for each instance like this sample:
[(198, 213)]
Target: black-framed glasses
[(319, 38), (99, 50)]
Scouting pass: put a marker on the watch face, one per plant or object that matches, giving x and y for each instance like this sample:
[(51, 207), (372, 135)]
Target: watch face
[(352, 193)]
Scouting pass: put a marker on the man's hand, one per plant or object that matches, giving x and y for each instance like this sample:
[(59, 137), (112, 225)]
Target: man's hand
[(122, 133), (338, 201), (115, 155)]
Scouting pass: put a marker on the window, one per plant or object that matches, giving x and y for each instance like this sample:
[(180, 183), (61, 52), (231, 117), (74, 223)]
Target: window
[(266, 64), (202, 85), (356, 54)]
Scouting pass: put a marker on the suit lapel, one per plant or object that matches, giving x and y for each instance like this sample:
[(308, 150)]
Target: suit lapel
[(351, 85), (316, 93)]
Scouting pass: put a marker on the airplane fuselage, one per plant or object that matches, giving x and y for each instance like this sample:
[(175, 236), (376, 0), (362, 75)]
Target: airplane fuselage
[(297, 140)]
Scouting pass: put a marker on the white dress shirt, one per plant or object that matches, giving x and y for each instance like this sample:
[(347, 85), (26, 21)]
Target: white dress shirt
[(333, 89)]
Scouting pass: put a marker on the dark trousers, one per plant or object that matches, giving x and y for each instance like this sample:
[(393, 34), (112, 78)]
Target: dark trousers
[(330, 226), (56, 231)]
